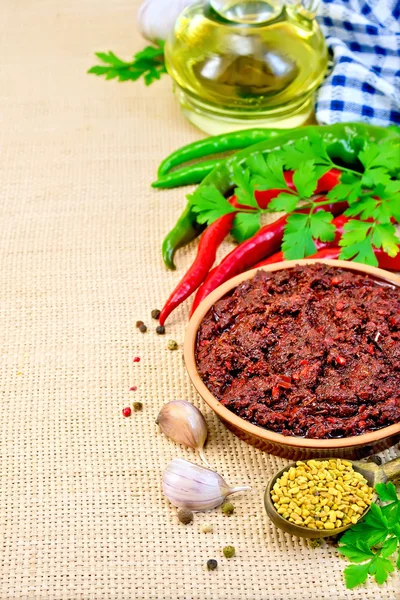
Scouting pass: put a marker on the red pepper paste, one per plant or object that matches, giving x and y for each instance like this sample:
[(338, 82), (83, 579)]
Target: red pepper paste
[(312, 351)]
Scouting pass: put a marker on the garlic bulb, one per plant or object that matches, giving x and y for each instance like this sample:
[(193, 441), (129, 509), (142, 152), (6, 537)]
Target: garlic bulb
[(184, 423), (187, 485), (156, 18)]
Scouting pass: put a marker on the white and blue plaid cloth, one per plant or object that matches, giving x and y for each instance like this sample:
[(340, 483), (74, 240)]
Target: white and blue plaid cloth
[(364, 84)]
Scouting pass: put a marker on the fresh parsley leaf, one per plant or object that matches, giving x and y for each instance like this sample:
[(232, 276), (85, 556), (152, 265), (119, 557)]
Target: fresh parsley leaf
[(359, 252), (284, 202), (389, 547), (349, 188), (381, 569), (245, 225), (384, 236), (148, 63), (357, 552), (355, 575), (385, 154), (270, 176), (375, 177), (303, 150), (209, 204), (364, 207), (245, 190), (305, 179), (297, 238), (321, 226)]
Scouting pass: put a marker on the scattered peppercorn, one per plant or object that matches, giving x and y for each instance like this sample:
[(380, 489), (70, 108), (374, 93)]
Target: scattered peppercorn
[(212, 564), (228, 508), (229, 551), (133, 388), (136, 359), (137, 406), (160, 330), (139, 323), (172, 345), (315, 543), (143, 328), (155, 313), (185, 516), (127, 411), (206, 528)]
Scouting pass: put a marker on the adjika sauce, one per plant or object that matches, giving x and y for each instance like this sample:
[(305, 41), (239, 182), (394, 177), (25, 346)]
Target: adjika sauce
[(312, 351)]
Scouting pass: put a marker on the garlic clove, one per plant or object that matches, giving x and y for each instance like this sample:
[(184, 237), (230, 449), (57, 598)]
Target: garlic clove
[(156, 19), (184, 423), (187, 485)]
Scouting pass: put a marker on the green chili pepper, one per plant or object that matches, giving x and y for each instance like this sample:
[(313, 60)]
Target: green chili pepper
[(214, 145), (185, 230), (342, 140), (187, 175)]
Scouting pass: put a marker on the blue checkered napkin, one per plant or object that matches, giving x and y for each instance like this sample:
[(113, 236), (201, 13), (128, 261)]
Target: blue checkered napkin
[(364, 85)]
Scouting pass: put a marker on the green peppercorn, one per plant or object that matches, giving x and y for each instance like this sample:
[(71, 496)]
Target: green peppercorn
[(229, 551), (172, 345), (155, 313), (137, 406), (228, 508), (160, 330), (139, 323), (185, 516), (212, 564), (315, 543), (143, 328)]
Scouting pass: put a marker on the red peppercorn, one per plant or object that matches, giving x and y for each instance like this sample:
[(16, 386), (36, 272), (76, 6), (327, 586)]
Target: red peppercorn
[(127, 411), (133, 388), (136, 359)]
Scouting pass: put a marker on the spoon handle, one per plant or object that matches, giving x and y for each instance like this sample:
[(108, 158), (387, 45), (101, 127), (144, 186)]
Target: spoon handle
[(392, 469)]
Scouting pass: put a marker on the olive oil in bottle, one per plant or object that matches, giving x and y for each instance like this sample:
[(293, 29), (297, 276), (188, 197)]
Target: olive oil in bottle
[(246, 63)]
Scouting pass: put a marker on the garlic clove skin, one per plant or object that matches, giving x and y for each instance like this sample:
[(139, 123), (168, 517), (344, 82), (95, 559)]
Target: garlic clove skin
[(184, 424), (156, 19), (187, 485)]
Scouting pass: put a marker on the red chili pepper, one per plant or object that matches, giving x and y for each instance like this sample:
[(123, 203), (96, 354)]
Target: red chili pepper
[(210, 241), (244, 256), (325, 183), (339, 223), (384, 260)]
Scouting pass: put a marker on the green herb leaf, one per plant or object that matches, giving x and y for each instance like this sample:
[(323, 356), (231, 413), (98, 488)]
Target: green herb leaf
[(245, 225), (245, 190), (148, 63), (349, 188), (355, 575), (297, 239), (209, 204), (321, 226), (384, 236), (303, 150), (305, 179), (358, 552), (385, 154), (284, 202), (389, 547), (270, 176), (381, 569)]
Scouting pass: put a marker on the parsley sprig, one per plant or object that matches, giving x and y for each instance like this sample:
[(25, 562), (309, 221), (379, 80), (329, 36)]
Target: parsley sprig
[(148, 63), (372, 193), (371, 542)]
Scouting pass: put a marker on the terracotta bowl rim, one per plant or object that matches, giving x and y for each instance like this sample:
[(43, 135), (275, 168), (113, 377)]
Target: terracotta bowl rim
[(254, 430)]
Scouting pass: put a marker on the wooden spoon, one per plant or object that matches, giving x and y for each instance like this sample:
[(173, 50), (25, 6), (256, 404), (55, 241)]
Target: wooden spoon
[(372, 472)]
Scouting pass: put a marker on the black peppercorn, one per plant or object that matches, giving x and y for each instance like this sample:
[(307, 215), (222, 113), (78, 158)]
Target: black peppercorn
[(155, 313), (212, 564), (143, 328), (160, 330), (139, 324)]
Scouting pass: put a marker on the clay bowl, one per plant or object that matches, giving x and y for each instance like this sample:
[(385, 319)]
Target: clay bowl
[(295, 448)]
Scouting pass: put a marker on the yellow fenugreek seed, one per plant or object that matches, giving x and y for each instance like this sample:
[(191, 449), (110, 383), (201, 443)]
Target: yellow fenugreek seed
[(329, 525)]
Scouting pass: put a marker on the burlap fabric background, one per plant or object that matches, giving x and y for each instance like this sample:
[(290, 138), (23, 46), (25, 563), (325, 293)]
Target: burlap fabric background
[(81, 511)]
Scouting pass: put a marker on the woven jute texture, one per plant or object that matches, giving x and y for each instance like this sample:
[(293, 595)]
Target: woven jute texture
[(82, 515)]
